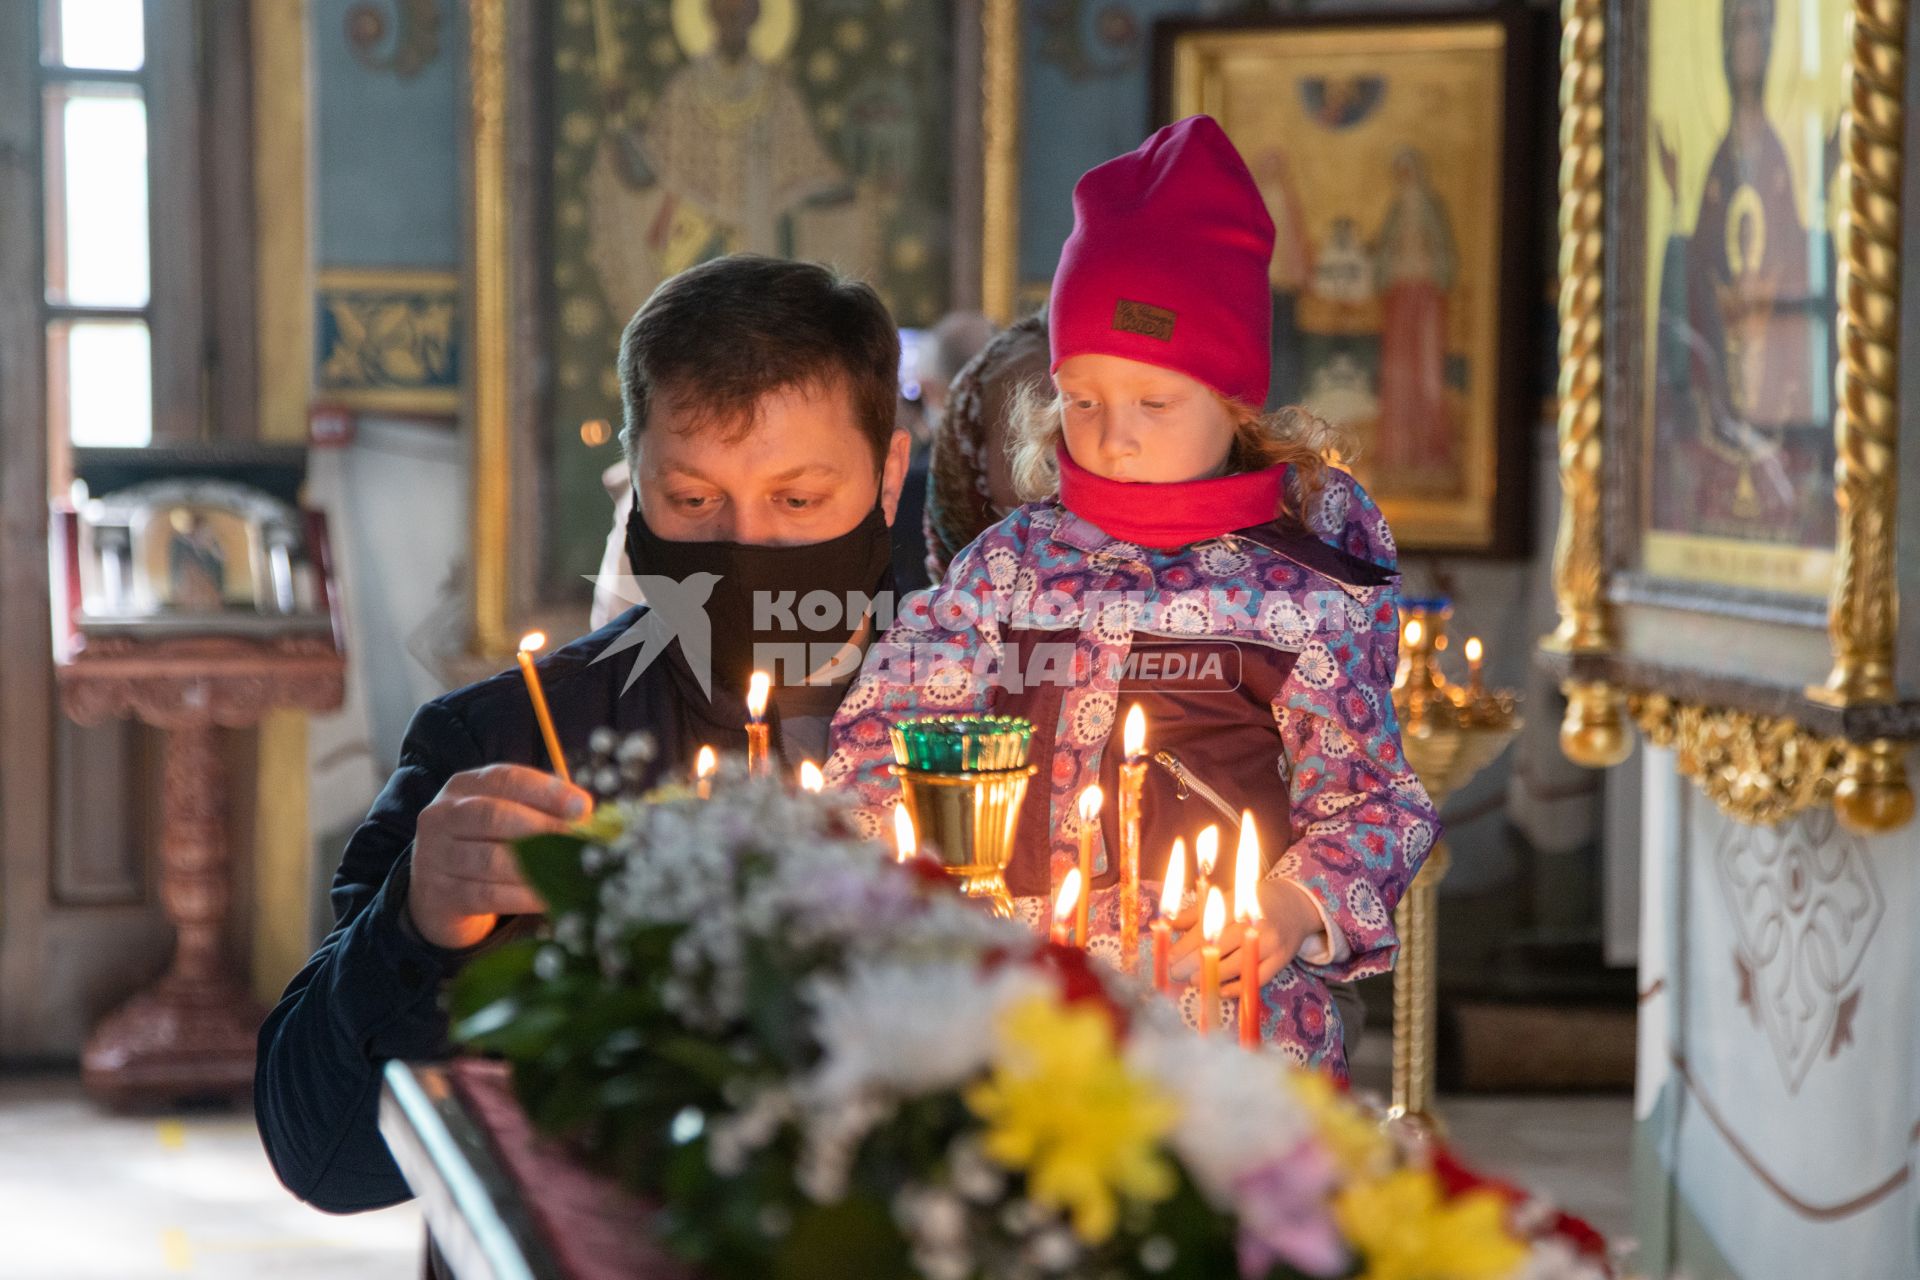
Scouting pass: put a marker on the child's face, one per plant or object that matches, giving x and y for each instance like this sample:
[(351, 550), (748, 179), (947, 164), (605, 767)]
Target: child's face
[(1130, 421)]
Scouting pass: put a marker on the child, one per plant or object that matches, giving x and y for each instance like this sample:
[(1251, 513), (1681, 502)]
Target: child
[(1174, 528)]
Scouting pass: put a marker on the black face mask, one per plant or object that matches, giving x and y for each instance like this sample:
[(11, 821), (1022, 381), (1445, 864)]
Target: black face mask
[(859, 561)]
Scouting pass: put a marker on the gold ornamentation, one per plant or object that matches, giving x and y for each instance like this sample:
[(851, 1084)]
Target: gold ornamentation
[(489, 255), (1416, 994), (283, 318), (1862, 609), (1000, 156), (1873, 795), (1593, 729), (388, 341), (1758, 769), (1449, 733), (1579, 576), (283, 305)]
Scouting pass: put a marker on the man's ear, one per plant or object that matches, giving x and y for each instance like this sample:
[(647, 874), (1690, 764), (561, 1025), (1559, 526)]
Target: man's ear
[(893, 476)]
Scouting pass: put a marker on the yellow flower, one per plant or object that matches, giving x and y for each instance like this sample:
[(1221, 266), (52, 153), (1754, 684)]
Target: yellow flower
[(603, 825), (1357, 1144), (1402, 1230), (1062, 1106)]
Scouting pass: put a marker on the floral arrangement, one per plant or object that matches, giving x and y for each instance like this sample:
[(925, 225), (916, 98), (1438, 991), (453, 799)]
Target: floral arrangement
[(820, 1062)]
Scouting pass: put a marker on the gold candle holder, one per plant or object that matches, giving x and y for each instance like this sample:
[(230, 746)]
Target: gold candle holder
[(1450, 733), (966, 822)]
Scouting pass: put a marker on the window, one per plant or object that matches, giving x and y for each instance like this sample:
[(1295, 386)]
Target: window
[(97, 286)]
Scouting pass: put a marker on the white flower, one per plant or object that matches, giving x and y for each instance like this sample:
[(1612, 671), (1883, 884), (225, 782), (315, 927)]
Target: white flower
[(1237, 1114), (734, 1138), (910, 1030), (1555, 1259)]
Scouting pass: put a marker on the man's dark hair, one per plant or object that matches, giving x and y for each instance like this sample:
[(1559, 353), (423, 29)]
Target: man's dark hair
[(720, 337)]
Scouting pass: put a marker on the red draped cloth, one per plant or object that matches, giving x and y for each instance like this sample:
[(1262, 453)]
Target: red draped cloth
[(595, 1228)]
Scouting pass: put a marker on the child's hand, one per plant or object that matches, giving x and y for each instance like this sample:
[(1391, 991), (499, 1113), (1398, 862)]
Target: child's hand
[(1291, 918)]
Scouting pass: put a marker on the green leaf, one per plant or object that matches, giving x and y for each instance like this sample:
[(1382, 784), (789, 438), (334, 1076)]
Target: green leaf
[(703, 1059), (551, 864), (515, 1028), (856, 1237), (491, 976)]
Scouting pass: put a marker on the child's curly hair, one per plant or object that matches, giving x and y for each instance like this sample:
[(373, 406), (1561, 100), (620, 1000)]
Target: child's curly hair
[(1294, 435)]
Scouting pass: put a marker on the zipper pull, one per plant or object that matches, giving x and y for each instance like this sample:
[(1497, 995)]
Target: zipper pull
[(1166, 761)]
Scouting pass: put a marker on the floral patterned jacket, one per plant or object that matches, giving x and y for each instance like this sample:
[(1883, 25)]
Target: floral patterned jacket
[(1306, 737)]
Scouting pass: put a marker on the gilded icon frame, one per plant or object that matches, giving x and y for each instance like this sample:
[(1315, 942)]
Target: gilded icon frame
[(1492, 308), (1769, 705), (503, 284)]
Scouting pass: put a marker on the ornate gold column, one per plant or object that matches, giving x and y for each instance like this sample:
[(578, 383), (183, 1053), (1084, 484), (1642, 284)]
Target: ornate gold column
[(1873, 793), (1000, 152), (1594, 731), (488, 258), (283, 323)]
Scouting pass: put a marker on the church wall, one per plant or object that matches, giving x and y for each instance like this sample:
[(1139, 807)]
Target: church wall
[(1778, 1101)]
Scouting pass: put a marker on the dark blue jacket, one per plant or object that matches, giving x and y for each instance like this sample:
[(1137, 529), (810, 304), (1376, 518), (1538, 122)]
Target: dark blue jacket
[(372, 991)]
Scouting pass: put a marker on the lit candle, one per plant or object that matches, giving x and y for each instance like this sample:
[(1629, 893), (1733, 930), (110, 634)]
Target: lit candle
[(530, 644), (1064, 907), (1089, 807), (1246, 910), (1211, 923), (1206, 852), (1172, 890), (905, 843), (1476, 658), (704, 764), (811, 779), (758, 686), (1133, 776)]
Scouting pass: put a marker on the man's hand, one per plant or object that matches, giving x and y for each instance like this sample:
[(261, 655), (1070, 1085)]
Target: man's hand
[(464, 873)]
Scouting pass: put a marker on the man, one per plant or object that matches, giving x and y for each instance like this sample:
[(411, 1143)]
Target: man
[(759, 404)]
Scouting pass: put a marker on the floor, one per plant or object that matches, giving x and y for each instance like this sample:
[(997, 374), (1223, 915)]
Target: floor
[(85, 1196)]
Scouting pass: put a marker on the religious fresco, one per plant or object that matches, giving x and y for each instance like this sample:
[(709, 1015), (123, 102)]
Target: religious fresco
[(1380, 151), (1087, 61), (386, 207), (388, 341), (1742, 231), (688, 129)]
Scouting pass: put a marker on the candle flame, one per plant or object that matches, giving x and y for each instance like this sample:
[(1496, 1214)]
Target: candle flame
[(1246, 872), (1069, 896), (1090, 801), (758, 685), (904, 840), (1214, 921), (1133, 737), (1414, 633), (705, 763), (1473, 649), (811, 779), (1175, 886), (1206, 849), (533, 642)]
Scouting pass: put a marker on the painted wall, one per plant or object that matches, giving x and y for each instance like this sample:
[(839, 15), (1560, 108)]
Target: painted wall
[(387, 128), (1778, 1103)]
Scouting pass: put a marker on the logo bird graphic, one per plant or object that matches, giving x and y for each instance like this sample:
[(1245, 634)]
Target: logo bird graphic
[(675, 608)]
